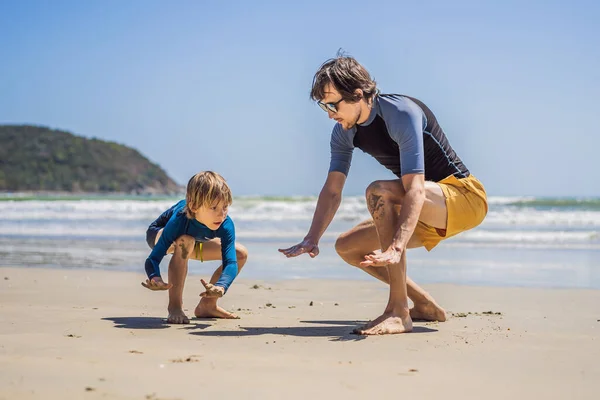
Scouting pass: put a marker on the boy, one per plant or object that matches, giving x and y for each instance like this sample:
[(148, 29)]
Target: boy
[(197, 228)]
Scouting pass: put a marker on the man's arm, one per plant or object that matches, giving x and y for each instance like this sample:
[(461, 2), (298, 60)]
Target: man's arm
[(405, 122), (327, 205), (414, 187)]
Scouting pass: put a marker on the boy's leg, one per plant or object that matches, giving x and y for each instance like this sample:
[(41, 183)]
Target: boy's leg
[(211, 250), (214, 250), (178, 267)]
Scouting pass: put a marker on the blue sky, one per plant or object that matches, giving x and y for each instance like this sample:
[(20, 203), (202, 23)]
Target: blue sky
[(197, 85)]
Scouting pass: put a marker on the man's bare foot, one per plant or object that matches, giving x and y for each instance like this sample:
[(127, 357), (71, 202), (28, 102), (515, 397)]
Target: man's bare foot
[(390, 324), (210, 309), (429, 311), (177, 317), (371, 324)]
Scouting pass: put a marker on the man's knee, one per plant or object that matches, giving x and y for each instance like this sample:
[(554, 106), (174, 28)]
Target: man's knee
[(386, 190), (241, 253), (375, 188), (379, 193), (376, 195), (342, 244), (184, 245), (345, 250)]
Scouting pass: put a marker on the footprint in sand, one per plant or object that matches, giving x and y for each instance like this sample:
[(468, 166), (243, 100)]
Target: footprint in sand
[(192, 358)]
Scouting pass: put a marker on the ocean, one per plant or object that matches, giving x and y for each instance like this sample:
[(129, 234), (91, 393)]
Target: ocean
[(532, 242)]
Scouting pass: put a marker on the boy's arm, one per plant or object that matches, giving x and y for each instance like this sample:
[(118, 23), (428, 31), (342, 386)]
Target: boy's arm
[(226, 233), (152, 265)]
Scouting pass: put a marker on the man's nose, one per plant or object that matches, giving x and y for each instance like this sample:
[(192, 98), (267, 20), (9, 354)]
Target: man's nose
[(330, 114)]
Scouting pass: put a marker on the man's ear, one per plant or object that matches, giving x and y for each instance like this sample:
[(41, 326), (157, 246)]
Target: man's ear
[(358, 94)]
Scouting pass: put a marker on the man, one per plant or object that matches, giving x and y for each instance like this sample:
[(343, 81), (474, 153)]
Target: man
[(435, 196)]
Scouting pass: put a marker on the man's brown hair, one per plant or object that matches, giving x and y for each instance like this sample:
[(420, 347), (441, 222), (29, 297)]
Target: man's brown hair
[(346, 75)]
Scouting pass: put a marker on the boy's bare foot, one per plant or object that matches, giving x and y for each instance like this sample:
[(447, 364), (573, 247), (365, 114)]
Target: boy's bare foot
[(210, 309), (390, 324), (177, 317), (429, 311)]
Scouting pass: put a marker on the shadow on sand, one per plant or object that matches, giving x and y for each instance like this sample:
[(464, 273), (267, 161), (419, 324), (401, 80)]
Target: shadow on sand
[(338, 331), (150, 323)]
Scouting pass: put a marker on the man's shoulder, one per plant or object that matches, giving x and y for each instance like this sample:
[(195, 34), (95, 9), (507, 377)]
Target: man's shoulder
[(397, 104), (341, 136), (339, 130)]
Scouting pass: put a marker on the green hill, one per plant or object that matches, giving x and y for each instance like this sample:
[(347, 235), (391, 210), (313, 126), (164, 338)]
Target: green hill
[(34, 158)]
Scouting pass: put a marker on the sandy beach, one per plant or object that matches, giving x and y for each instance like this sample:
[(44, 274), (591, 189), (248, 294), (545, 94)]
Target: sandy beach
[(87, 334)]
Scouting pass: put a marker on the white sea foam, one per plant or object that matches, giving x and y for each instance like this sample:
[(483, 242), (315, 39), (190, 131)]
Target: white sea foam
[(480, 235), (289, 218)]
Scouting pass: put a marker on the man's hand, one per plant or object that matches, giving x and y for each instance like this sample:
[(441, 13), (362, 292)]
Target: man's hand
[(391, 256), (212, 290), (156, 283), (306, 246)]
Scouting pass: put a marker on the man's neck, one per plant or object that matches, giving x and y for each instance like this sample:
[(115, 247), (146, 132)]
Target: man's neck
[(365, 110)]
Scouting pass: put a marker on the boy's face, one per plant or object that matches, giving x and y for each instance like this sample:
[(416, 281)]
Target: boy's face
[(212, 215)]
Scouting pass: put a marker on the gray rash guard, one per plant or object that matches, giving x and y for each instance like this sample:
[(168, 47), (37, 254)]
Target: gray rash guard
[(403, 135)]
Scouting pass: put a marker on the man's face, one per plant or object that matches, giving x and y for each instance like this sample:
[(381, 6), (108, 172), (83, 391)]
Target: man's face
[(347, 114)]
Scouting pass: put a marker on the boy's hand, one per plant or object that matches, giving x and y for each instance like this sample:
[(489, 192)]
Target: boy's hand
[(211, 290), (156, 283)]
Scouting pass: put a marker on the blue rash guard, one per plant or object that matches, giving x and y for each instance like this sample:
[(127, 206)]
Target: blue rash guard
[(176, 224), (404, 136)]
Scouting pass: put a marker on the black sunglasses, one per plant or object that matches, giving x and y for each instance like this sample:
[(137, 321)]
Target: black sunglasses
[(329, 106)]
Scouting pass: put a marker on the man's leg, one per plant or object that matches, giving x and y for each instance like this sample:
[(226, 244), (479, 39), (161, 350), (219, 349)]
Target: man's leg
[(178, 267), (384, 199), (211, 250), (382, 204), (361, 240)]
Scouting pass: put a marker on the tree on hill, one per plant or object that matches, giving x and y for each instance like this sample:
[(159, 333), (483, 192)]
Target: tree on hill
[(34, 158)]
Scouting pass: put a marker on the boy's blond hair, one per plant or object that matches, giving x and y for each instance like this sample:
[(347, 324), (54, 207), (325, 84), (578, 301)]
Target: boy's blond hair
[(205, 189)]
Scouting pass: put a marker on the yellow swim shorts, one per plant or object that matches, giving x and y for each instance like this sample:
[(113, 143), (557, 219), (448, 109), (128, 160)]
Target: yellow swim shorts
[(467, 206), (198, 251)]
